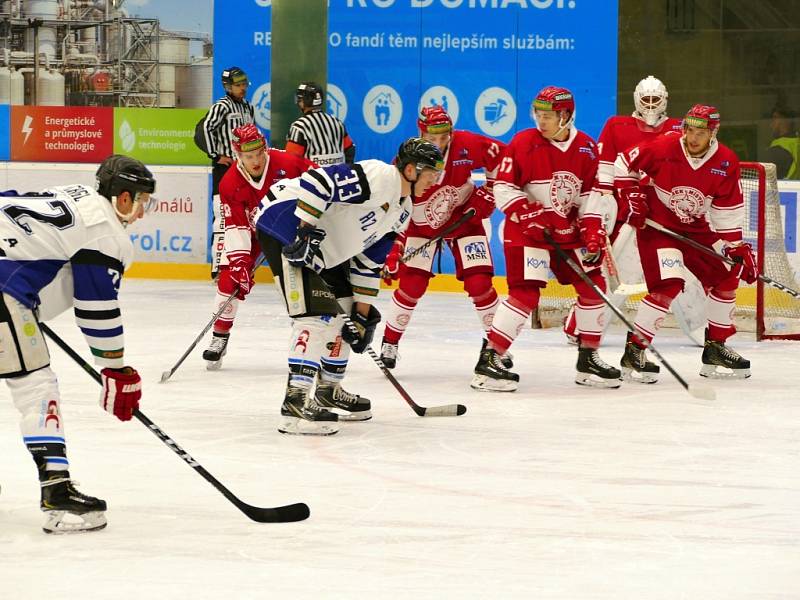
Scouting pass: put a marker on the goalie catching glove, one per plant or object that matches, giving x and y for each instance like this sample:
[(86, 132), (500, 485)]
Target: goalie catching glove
[(365, 329), (304, 250), (122, 390), (742, 254)]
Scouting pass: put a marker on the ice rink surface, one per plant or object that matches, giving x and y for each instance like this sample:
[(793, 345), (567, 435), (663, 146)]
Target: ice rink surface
[(552, 492)]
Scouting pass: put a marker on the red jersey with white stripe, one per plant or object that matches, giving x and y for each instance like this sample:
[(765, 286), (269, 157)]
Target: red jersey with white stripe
[(622, 132), (556, 175), (448, 198), (240, 197), (687, 194)]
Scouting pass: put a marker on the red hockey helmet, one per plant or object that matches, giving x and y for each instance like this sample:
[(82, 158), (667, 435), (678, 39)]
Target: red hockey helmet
[(434, 119), (248, 137), (554, 98), (702, 116)]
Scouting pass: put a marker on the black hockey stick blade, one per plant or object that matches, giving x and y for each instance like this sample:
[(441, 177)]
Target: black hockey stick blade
[(279, 514)]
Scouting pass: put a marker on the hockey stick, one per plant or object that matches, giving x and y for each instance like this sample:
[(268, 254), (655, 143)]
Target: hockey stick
[(280, 514), (468, 214), (223, 307), (698, 391), (711, 252), (445, 410)]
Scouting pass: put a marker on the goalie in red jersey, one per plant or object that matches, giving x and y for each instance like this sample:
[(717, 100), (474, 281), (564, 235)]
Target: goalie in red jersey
[(694, 189), (256, 168), (436, 212), (545, 184)]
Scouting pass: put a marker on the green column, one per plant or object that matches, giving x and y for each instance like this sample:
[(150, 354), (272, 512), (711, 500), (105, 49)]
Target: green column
[(299, 53)]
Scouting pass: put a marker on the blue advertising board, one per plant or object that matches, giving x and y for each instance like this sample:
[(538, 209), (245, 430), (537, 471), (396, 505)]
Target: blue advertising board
[(484, 60), (5, 138)]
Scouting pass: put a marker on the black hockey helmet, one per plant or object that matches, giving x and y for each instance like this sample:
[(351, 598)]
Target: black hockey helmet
[(119, 173), (232, 76), (419, 152), (311, 94)]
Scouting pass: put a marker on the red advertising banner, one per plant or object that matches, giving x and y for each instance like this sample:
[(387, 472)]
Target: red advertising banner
[(61, 133)]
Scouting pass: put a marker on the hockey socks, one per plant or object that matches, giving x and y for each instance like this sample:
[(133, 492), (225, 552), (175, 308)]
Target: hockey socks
[(508, 321)]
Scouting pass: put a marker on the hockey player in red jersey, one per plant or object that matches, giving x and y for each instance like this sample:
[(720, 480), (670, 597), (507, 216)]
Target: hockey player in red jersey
[(241, 190), (693, 189), (619, 133), (544, 183), (435, 211)]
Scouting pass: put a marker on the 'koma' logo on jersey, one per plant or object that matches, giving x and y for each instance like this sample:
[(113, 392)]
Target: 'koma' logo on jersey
[(537, 263), (671, 263), (476, 251)]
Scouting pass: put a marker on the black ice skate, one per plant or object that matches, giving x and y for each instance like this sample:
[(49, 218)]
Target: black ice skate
[(594, 372), (491, 375), (333, 395), (69, 511), (215, 351), (507, 359), (721, 362), (635, 366), (302, 416), (389, 356)]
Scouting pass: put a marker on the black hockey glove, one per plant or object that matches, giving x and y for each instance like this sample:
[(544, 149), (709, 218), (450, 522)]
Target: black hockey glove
[(365, 327), (304, 250)]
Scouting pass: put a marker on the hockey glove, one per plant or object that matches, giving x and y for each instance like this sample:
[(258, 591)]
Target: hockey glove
[(240, 271), (742, 253), (365, 328), (482, 201), (391, 269), (304, 250), (594, 237), (122, 390), (636, 201), (534, 219)]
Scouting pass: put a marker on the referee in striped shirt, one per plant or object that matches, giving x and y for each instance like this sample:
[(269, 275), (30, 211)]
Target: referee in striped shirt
[(226, 114), (316, 135)]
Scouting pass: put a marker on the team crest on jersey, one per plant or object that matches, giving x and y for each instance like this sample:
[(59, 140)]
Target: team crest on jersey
[(565, 188), (687, 203), (440, 206)]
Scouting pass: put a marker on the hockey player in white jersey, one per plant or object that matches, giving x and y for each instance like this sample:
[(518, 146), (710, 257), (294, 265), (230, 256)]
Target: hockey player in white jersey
[(67, 248), (326, 235)]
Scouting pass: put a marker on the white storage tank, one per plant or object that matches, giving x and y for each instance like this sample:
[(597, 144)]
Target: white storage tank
[(5, 85), (193, 84), (173, 50), (166, 99), (42, 9), (51, 88), (17, 87)]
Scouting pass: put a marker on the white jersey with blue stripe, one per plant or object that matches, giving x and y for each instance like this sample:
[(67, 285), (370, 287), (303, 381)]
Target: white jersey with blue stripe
[(67, 249), (358, 206)]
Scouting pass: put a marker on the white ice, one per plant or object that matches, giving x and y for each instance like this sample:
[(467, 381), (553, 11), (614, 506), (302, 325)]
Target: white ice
[(553, 492)]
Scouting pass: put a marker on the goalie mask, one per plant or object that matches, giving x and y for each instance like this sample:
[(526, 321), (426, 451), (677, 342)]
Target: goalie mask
[(650, 99)]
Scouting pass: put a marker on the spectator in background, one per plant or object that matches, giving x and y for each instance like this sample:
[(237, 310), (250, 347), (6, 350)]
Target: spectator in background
[(225, 115), (784, 150)]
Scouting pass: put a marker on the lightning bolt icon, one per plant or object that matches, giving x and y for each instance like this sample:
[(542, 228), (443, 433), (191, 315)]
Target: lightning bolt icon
[(26, 128)]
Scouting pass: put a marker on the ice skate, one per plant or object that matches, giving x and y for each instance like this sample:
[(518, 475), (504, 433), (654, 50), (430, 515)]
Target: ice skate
[(507, 358), (349, 407), (389, 356), (635, 366), (722, 362), (594, 372), (216, 350), (301, 415), (68, 510), (491, 375)]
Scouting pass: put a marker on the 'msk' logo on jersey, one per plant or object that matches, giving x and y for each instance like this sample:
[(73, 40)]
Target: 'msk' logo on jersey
[(475, 250)]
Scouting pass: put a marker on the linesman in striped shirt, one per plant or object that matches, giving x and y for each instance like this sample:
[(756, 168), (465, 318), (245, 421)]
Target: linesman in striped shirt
[(226, 114), (318, 136)]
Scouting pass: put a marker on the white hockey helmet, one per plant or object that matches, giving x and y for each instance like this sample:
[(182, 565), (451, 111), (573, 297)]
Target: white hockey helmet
[(650, 99)]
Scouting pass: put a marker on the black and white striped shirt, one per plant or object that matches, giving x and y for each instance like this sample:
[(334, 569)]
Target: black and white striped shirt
[(324, 138), (225, 115)]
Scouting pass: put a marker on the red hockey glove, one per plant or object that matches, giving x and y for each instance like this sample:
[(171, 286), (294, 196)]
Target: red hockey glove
[(391, 269), (534, 219), (742, 253), (122, 390), (594, 236), (365, 329), (240, 270), (636, 201), (482, 201)]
